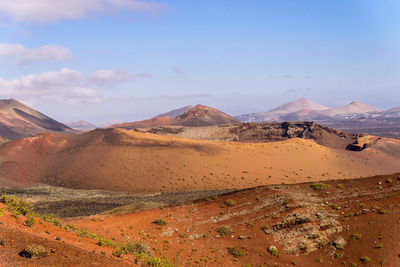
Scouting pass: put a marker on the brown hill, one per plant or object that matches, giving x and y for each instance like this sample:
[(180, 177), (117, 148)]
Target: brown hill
[(129, 161), (263, 132), (196, 116), (335, 223), (18, 120)]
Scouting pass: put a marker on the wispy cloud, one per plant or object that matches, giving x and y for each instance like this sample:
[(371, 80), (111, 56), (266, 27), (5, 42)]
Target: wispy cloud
[(50, 11), (19, 54), (65, 86)]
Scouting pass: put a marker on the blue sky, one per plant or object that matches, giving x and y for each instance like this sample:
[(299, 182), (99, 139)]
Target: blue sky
[(128, 59)]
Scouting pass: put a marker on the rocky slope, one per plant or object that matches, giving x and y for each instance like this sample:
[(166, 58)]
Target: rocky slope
[(18, 120)]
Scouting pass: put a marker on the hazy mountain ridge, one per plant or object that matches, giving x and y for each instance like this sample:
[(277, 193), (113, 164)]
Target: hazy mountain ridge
[(304, 109)]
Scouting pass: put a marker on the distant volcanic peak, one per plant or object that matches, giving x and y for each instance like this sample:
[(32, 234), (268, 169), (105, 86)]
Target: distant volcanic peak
[(354, 107), (196, 111), (298, 105), (392, 110)]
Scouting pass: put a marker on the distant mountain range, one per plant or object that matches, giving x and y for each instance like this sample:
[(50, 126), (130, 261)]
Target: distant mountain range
[(198, 115), (304, 109), (82, 126), (18, 120)]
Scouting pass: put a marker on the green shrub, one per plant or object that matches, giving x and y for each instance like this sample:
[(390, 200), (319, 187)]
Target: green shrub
[(71, 228), (340, 186), (319, 186), (382, 211), (365, 259), (1, 212), (160, 222), (118, 252), (273, 250), (389, 181), (158, 262), (106, 243), (51, 219), (30, 221), (335, 206), (379, 245), (235, 251), (224, 230), (16, 205), (230, 202), (349, 214), (355, 236)]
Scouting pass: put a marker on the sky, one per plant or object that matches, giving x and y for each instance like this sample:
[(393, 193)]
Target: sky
[(126, 60)]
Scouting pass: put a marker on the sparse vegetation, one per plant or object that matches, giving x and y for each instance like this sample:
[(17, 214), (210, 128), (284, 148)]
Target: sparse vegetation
[(389, 181), (365, 259), (379, 245), (355, 236), (340, 186), (382, 211), (224, 230), (30, 221), (273, 250), (319, 186), (230, 202), (160, 222), (235, 251)]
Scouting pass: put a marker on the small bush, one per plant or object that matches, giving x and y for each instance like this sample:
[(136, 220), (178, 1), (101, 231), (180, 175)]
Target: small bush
[(160, 222), (30, 221), (382, 211), (118, 252), (379, 245), (349, 214), (355, 236), (51, 219), (389, 181), (230, 202), (235, 251), (320, 260), (224, 230), (1, 212), (319, 186), (106, 243), (335, 206), (340, 186), (365, 259), (273, 250), (353, 264), (70, 228)]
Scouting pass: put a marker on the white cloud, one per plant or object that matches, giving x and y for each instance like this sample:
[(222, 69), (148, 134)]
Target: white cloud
[(64, 86), (48, 11), (110, 76), (19, 54)]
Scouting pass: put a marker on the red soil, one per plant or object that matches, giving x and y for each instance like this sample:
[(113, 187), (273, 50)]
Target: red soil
[(190, 238), (123, 160)]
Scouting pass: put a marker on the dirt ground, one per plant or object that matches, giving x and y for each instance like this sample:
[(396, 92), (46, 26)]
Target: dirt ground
[(301, 222), (127, 161)]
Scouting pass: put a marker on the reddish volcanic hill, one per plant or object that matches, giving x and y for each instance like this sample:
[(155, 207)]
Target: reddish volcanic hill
[(130, 161), (196, 116), (18, 120)]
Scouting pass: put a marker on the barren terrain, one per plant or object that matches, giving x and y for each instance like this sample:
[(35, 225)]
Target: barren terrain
[(128, 161)]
